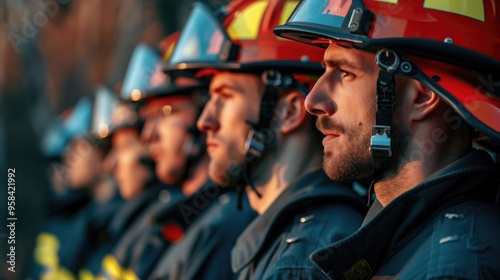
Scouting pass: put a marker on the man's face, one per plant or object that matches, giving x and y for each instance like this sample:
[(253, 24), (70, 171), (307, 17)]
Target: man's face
[(83, 162), (234, 99), (343, 99), (127, 150), (166, 130)]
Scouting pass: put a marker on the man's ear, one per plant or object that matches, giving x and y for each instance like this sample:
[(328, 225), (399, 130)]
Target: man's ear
[(291, 111), (424, 101)]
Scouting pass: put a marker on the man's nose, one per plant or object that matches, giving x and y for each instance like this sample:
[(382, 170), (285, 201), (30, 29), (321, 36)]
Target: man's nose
[(318, 102), (207, 120), (149, 133)]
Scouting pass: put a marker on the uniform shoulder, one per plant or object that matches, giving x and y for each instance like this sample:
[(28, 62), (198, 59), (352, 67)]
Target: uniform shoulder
[(469, 230), (313, 228)]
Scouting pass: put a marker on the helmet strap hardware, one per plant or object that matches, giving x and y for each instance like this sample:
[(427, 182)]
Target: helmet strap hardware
[(256, 140), (281, 80), (380, 144), (360, 21), (254, 146)]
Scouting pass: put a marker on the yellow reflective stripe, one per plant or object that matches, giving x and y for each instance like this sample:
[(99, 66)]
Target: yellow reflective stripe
[(48, 239), (468, 8), (246, 24), (60, 274), (85, 274), (287, 10), (112, 267), (169, 52), (45, 253), (389, 1), (128, 274)]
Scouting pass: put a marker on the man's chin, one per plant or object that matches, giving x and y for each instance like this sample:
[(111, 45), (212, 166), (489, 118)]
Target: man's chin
[(218, 175), (223, 176), (166, 176), (347, 171)]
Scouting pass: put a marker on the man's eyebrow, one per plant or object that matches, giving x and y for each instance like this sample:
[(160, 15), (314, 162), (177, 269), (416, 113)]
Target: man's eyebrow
[(338, 63), (224, 86)]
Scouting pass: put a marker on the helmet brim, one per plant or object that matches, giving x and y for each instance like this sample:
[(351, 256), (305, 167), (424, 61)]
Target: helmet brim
[(285, 66), (320, 36)]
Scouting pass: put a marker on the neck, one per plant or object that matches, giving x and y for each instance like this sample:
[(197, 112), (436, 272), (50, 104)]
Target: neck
[(424, 159), (276, 172), (104, 189), (197, 176)]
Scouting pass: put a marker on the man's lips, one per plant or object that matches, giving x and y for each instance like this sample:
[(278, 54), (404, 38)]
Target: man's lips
[(328, 138), (211, 145), (155, 154)]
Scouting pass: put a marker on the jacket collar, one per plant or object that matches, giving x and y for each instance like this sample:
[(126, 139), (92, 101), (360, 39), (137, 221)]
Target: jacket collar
[(133, 207), (392, 226), (315, 187)]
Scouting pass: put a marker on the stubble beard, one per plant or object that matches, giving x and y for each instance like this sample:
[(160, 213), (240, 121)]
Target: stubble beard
[(351, 162), (401, 147), (226, 173), (354, 164)]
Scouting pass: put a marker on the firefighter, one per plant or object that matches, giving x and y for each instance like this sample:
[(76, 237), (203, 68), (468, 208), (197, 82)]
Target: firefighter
[(134, 173), (200, 223), (408, 87), (261, 139), (65, 242)]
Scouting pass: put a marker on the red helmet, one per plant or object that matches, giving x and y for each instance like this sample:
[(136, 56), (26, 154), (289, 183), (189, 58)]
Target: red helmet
[(418, 33), (243, 41)]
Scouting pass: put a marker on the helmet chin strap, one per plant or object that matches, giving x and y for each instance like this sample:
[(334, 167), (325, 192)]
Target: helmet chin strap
[(195, 150), (150, 164), (255, 144), (257, 138), (380, 144), (256, 141)]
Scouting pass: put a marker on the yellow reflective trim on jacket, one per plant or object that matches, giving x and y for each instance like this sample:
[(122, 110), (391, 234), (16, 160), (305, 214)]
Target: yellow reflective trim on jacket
[(85, 274), (60, 274), (112, 267), (129, 274), (46, 249)]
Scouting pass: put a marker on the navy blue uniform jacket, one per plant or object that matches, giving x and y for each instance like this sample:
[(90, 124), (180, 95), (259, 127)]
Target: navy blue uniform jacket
[(308, 215), (447, 227)]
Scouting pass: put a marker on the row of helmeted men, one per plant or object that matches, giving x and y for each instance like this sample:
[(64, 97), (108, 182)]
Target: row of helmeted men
[(208, 165), (137, 198)]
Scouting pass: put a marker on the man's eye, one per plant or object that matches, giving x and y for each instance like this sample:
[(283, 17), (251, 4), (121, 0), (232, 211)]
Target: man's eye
[(218, 95), (225, 95), (346, 75)]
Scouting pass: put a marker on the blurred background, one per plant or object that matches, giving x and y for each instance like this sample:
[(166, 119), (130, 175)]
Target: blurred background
[(52, 53)]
